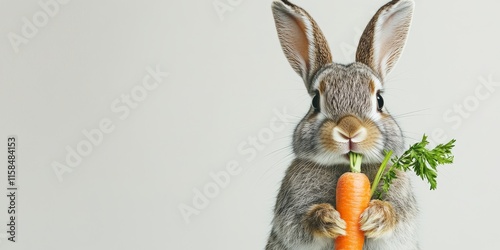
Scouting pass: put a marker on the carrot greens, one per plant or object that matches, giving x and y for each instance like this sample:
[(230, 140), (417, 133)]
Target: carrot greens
[(418, 157)]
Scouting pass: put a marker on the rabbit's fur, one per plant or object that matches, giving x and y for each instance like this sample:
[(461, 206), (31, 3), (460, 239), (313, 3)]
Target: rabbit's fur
[(347, 115)]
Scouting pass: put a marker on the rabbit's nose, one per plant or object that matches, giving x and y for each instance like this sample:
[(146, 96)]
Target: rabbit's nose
[(340, 135), (350, 129)]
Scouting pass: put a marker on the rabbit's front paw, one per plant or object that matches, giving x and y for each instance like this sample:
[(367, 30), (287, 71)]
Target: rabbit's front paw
[(323, 220), (378, 219)]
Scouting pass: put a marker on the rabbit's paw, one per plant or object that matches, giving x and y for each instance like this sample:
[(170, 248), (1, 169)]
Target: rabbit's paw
[(378, 219), (323, 220)]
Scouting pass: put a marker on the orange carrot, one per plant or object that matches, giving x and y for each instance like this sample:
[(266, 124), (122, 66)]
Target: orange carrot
[(353, 197)]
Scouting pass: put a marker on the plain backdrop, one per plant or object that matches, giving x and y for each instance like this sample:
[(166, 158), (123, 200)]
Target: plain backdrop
[(228, 83)]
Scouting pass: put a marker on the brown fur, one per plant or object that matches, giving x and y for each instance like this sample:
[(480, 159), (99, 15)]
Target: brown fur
[(350, 125), (324, 221), (378, 219), (326, 136)]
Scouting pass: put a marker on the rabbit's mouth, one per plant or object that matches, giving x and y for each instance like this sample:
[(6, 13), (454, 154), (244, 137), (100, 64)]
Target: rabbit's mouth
[(330, 158), (348, 157)]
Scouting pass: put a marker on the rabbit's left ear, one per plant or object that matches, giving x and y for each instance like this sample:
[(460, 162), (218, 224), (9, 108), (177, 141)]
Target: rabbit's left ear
[(385, 36), (302, 41)]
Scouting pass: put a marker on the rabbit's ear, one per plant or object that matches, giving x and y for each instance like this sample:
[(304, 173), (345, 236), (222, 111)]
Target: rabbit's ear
[(385, 36), (302, 41)]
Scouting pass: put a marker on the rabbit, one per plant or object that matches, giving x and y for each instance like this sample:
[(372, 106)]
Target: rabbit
[(347, 114)]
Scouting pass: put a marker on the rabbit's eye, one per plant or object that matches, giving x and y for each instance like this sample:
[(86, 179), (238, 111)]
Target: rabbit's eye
[(315, 101), (380, 101)]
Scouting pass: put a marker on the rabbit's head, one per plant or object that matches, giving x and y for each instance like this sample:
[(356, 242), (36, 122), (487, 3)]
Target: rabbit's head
[(347, 111)]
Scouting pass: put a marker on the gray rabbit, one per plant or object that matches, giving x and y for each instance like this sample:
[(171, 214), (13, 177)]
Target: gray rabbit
[(347, 114)]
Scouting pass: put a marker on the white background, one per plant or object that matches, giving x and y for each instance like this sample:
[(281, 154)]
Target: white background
[(227, 76)]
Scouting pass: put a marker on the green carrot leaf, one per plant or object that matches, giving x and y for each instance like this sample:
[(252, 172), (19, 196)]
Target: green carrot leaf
[(421, 160)]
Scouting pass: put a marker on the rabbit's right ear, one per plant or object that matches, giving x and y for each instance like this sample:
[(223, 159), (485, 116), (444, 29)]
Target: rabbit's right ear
[(385, 36), (302, 41)]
